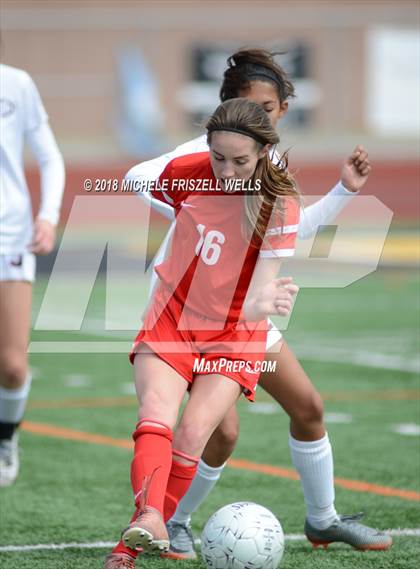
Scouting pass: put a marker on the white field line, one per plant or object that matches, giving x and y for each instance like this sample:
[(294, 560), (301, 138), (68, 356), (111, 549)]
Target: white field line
[(408, 429), (407, 532), (358, 357)]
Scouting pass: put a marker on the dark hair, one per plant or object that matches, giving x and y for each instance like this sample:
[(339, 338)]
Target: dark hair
[(248, 65), (246, 117)]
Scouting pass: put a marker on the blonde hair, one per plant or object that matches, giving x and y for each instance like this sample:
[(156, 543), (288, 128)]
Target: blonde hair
[(246, 117)]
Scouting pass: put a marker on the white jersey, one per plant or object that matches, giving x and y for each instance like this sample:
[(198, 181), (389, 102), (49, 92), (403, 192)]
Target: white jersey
[(23, 118)]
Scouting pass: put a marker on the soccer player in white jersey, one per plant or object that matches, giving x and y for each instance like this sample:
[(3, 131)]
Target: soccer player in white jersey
[(254, 74), (22, 120)]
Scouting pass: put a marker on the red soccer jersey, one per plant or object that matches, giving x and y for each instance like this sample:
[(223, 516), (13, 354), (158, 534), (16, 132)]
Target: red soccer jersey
[(211, 261)]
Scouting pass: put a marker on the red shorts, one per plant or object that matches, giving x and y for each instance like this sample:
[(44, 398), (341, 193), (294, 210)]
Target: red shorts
[(193, 348)]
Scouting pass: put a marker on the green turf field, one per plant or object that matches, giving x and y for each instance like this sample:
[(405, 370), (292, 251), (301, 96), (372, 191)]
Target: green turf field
[(359, 346)]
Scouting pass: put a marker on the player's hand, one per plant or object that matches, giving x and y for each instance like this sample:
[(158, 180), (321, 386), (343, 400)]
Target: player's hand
[(276, 297), (43, 239), (356, 170)]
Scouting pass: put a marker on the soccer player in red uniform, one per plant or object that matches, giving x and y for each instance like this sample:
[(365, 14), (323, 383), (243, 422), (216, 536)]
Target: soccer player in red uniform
[(254, 74), (216, 290)]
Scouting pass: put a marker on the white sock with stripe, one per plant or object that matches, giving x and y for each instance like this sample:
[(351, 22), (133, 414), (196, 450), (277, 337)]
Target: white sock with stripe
[(13, 402)]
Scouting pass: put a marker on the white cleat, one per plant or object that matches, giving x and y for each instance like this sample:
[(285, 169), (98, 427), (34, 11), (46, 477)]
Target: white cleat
[(9, 460)]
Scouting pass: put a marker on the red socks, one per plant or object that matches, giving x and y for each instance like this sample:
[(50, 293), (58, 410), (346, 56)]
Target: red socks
[(180, 478), (149, 469), (153, 471), (151, 464), (179, 481), (121, 548)]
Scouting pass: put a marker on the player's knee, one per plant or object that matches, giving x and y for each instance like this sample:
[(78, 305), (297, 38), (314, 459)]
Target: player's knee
[(227, 433), (13, 370), (191, 437), (222, 442), (310, 410), (152, 405), (152, 427)]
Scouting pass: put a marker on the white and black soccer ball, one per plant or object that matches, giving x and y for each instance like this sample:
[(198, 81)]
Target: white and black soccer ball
[(243, 535)]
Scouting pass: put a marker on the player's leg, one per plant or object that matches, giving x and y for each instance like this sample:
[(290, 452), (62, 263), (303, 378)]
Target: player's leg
[(312, 454), (311, 451), (291, 387), (15, 317), (218, 449), (160, 390), (223, 438), (211, 397)]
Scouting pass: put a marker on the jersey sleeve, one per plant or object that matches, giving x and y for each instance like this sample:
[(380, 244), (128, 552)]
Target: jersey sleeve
[(324, 211), (146, 173), (34, 111), (165, 188), (280, 237), (44, 146)]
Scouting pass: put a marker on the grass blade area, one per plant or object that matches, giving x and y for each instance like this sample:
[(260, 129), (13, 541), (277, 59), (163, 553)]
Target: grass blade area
[(79, 492)]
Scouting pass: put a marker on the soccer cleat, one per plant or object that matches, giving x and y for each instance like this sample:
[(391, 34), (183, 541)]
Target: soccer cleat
[(119, 561), (181, 541), (148, 532), (9, 460), (346, 529)]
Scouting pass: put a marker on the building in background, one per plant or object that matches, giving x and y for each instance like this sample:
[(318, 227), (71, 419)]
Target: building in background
[(355, 63)]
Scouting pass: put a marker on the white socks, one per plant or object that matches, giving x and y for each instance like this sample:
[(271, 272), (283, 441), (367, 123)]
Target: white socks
[(314, 463), (203, 483), (13, 402)]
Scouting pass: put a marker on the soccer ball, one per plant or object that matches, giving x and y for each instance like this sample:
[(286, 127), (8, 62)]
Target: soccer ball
[(242, 536)]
